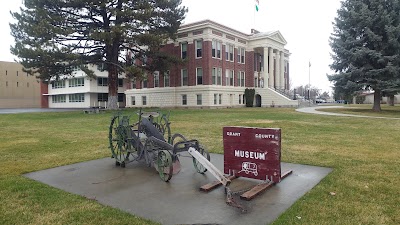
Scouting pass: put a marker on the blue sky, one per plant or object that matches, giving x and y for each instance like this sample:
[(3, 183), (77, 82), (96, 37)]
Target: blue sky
[(306, 25)]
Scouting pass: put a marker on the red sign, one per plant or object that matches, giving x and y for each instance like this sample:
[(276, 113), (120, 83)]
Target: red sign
[(253, 152)]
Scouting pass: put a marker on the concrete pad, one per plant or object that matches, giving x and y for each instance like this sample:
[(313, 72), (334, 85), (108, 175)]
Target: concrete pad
[(137, 189)]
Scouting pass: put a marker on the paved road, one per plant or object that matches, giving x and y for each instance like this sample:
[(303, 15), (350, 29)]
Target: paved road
[(314, 111), (31, 110)]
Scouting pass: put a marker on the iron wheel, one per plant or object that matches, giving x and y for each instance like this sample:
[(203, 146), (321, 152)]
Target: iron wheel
[(164, 165)]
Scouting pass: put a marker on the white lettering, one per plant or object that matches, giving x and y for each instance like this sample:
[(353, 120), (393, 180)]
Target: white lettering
[(265, 136), (250, 155), (237, 153), (233, 134)]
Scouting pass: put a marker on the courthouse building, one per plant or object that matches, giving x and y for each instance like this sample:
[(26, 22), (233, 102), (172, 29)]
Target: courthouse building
[(221, 63)]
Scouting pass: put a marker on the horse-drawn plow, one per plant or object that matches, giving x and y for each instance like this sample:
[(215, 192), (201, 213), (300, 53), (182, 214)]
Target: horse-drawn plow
[(150, 140)]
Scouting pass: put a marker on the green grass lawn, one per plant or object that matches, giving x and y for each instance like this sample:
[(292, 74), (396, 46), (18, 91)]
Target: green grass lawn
[(364, 153)]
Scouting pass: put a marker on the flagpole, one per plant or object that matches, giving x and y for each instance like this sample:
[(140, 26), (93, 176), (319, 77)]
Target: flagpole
[(254, 17)]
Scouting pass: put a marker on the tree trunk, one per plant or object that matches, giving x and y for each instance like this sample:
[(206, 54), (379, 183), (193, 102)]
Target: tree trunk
[(112, 87), (377, 101), (391, 100)]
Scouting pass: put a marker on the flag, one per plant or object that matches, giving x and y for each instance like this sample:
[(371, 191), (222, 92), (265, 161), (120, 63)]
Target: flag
[(257, 5)]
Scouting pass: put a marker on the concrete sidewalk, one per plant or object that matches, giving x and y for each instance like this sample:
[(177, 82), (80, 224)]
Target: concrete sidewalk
[(313, 110), (137, 189), (34, 110)]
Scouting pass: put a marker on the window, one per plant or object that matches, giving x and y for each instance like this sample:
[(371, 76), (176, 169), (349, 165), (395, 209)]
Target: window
[(120, 82), (58, 98), (229, 51), (133, 84), (120, 97), (102, 97), (184, 50), (199, 99), (27, 84), (241, 55), (102, 81), (256, 84), (101, 67), (220, 99), (166, 79), (216, 76), (229, 77), (156, 75), (6, 83), (184, 99), (216, 49), (240, 99), (17, 73), (144, 84), (199, 76), (17, 84), (241, 78), (215, 99), (133, 100), (58, 84), (232, 78), (76, 82), (77, 98), (184, 77), (199, 48), (144, 100), (144, 60), (75, 68)]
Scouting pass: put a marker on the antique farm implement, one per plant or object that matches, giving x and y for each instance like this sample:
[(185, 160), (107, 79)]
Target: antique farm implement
[(150, 140)]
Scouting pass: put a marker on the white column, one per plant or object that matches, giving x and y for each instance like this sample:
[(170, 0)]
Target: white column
[(271, 69), (278, 70), (282, 70), (266, 76)]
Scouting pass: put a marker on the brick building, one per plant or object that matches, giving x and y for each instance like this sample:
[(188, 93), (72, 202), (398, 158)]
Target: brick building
[(220, 64)]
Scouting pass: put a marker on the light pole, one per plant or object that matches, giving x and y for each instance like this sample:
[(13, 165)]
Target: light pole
[(309, 82)]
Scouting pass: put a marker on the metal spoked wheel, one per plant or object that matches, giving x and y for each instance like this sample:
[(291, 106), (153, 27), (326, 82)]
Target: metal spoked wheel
[(124, 146), (117, 141), (197, 165), (164, 165), (164, 128)]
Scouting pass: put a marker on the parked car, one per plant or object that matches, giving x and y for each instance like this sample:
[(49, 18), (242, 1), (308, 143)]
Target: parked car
[(318, 100)]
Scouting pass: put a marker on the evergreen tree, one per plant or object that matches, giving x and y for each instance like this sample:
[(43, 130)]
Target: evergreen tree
[(366, 46), (54, 37)]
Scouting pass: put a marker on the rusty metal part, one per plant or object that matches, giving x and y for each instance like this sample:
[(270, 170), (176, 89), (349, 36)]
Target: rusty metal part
[(231, 201)]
